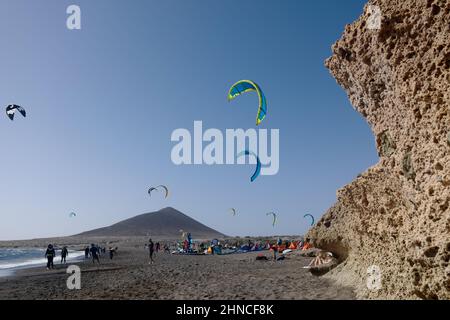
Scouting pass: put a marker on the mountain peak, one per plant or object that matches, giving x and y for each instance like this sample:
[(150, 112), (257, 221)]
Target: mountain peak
[(164, 223)]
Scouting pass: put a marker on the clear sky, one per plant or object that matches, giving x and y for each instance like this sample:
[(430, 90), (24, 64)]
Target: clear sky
[(103, 101)]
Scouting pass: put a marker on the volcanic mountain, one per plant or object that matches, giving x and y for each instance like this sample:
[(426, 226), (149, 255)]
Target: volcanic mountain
[(165, 223)]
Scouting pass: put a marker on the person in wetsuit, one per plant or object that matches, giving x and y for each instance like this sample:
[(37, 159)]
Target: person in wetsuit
[(151, 250), (86, 253), (94, 253), (64, 254), (50, 254)]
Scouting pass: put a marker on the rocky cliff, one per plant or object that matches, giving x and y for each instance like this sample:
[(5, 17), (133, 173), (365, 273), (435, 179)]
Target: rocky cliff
[(396, 215)]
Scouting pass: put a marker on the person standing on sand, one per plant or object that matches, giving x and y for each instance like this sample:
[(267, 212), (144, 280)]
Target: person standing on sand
[(50, 254), (151, 250), (94, 253), (64, 254), (86, 253), (274, 249)]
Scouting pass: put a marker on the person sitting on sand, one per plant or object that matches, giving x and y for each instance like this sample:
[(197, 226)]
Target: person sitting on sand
[(50, 254), (151, 250), (94, 253), (321, 258), (64, 254)]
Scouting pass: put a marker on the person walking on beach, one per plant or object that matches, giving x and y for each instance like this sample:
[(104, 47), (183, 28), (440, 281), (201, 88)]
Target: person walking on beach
[(64, 254), (50, 254), (151, 250), (111, 253), (86, 253), (94, 253)]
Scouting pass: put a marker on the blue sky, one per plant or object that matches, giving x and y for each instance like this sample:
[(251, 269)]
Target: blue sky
[(103, 101)]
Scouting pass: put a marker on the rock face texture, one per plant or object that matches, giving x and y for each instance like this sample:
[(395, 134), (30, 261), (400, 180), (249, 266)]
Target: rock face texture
[(396, 215)]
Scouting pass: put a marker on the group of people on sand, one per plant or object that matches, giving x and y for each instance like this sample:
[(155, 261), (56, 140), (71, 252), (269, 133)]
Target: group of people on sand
[(280, 246), (93, 251), (151, 250), (50, 254), (154, 248)]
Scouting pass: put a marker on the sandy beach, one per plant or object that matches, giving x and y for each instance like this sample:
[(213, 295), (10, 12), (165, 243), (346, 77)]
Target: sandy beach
[(130, 276)]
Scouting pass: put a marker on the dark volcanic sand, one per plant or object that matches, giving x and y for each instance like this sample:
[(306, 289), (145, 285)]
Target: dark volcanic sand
[(129, 276)]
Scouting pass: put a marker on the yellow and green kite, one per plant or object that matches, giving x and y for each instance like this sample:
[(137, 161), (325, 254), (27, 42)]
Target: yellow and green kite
[(243, 86)]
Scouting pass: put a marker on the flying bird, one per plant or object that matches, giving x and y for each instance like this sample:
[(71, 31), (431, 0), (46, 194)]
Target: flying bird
[(11, 110)]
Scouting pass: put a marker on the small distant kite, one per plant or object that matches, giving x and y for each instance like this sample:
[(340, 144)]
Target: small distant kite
[(11, 110), (243, 86), (311, 216), (157, 188), (72, 215), (274, 217), (258, 163), (233, 211)]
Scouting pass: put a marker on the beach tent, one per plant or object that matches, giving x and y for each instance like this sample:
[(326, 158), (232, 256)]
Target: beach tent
[(245, 248)]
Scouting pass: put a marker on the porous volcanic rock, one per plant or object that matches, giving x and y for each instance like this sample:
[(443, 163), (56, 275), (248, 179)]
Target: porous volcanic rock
[(396, 215)]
